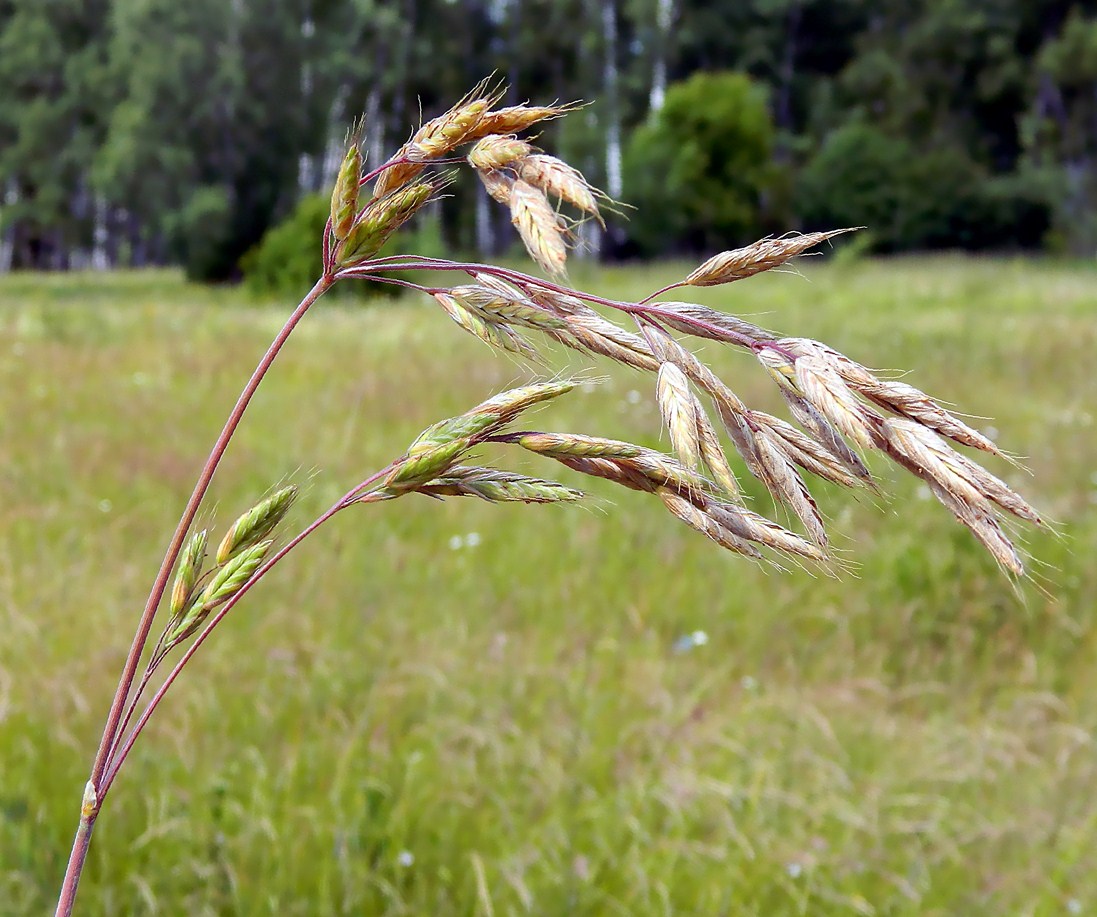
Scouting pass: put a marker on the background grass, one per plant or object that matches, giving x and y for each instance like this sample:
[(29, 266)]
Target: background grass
[(407, 720)]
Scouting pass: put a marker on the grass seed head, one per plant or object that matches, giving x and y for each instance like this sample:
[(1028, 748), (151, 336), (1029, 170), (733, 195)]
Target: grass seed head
[(188, 571), (763, 255), (516, 118), (256, 524), (679, 408), (538, 227), (556, 177), (344, 196), (496, 151)]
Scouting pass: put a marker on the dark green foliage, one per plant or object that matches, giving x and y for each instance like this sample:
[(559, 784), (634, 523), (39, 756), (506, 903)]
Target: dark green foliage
[(287, 260), (698, 171), (152, 131), (913, 199)]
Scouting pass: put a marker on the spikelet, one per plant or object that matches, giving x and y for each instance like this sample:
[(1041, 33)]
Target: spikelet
[(824, 388), (254, 525), (712, 454), (517, 118), (700, 521), (496, 306), (439, 136), (344, 196), (556, 177), (496, 151), (538, 226), (499, 185), (700, 321), (498, 336), (381, 217), (754, 527), (784, 482), (922, 452), (806, 452), (496, 486), (224, 584), (188, 571), (755, 258), (678, 407)]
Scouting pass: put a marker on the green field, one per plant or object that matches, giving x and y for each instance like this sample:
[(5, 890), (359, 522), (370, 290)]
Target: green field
[(406, 720)]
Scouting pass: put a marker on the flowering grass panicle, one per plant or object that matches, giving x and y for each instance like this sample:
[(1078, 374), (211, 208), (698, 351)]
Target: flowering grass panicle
[(840, 412)]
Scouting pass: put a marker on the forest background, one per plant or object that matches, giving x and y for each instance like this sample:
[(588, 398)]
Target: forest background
[(149, 132)]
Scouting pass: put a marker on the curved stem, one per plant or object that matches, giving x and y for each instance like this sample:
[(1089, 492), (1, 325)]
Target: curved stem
[(124, 748), (107, 743), (644, 307)]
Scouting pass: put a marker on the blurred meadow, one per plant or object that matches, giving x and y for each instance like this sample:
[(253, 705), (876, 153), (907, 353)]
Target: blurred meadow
[(462, 709)]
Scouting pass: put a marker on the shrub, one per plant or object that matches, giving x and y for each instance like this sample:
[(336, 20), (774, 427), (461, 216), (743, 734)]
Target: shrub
[(912, 199), (698, 171)]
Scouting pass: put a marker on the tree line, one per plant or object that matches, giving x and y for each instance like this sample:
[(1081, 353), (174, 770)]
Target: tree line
[(136, 132)]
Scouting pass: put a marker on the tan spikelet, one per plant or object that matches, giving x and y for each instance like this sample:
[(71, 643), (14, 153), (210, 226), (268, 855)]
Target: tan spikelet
[(763, 255), (757, 528), (496, 151), (826, 435), (712, 455), (678, 406), (492, 305), (497, 336), (895, 396), (698, 520), (786, 485), (557, 178), (806, 452), (824, 388), (919, 450), (700, 321), (516, 118), (499, 185), (538, 226)]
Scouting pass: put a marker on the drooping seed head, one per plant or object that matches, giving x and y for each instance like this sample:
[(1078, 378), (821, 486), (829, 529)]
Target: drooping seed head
[(496, 151), (678, 406), (538, 226), (557, 178), (256, 524)]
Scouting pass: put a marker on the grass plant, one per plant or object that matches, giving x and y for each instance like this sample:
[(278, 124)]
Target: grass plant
[(843, 409)]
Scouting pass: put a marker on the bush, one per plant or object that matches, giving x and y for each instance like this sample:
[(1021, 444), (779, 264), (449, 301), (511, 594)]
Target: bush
[(912, 199), (699, 169), (287, 260)]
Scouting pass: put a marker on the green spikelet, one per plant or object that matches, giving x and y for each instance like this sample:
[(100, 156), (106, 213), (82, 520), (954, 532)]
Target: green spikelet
[(258, 522)]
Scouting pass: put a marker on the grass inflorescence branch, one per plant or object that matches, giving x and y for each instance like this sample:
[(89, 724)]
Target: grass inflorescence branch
[(839, 410)]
